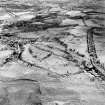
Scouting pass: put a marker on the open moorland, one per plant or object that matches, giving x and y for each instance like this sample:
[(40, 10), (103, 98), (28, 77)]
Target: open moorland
[(52, 52)]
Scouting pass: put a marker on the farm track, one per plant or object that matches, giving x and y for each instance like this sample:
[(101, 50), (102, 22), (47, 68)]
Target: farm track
[(99, 68)]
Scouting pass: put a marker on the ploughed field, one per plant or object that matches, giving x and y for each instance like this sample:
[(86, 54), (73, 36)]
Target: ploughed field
[(48, 56)]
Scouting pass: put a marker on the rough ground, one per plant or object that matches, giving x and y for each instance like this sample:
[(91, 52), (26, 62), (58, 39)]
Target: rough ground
[(45, 57)]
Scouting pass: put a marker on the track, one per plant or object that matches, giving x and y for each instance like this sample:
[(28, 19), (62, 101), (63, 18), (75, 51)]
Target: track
[(97, 66)]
